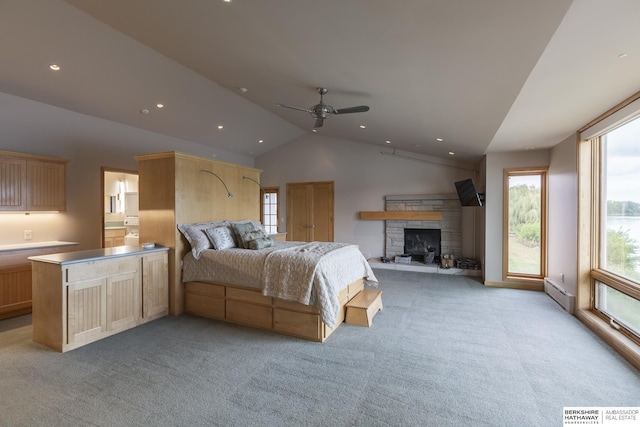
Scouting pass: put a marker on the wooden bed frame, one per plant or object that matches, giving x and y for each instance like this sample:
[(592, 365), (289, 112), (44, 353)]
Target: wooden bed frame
[(173, 190), (247, 306)]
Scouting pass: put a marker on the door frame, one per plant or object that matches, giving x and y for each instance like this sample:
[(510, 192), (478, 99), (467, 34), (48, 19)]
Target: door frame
[(103, 171)]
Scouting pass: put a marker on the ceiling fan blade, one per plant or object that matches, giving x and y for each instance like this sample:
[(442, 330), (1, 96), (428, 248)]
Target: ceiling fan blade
[(358, 109), (306, 110), (318, 123)]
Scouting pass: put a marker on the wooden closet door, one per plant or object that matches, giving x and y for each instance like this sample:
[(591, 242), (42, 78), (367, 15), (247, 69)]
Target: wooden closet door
[(310, 212), (322, 212)]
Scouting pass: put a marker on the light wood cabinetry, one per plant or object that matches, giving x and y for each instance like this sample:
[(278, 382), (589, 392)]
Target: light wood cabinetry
[(155, 286), (310, 211), (173, 190), (15, 291), (32, 183), (114, 237), (15, 276), (81, 298), (249, 307)]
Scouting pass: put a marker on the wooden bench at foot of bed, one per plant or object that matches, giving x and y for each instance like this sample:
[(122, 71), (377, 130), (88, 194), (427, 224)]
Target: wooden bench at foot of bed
[(247, 306)]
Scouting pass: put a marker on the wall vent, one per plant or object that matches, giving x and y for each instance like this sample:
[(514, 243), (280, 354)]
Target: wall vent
[(560, 295)]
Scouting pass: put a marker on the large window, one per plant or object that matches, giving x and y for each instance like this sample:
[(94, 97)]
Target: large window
[(525, 223), (618, 259)]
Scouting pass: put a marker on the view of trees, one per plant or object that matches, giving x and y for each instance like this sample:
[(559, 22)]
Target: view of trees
[(524, 214), (615, 208), (622, 254)]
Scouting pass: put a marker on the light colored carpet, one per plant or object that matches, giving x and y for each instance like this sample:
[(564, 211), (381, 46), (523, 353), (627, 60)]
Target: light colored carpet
[(445, 351)]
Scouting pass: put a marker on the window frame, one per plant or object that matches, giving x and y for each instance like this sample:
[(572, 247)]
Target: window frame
[(270, 190), (589, 174), (543, 172), (597, 273)]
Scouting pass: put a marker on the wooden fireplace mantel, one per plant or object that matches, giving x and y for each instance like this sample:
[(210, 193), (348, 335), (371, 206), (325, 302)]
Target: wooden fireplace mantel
[(402, 215)]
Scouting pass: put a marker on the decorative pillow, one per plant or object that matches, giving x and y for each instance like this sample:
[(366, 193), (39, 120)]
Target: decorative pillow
[(221, 237), (261, 243), (240, 228), (244, 223), (197, 238), (248, 236)]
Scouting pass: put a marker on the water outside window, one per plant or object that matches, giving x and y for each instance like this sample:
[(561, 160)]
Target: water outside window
[(621, 198), (620, 223)]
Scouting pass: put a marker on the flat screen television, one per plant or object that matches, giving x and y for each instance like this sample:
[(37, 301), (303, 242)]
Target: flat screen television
[(467, 193)]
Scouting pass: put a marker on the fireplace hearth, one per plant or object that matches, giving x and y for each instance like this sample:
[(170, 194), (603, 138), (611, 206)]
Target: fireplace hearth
[(423, 244)]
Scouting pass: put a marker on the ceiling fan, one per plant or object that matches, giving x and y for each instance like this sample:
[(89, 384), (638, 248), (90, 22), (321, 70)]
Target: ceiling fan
[(322, 111)]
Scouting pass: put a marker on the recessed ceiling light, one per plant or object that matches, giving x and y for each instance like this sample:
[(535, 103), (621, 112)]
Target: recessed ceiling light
[(451, 153), (54, 67), (243, 89), (227, 1), (144, 111), (314, 130), (363, 127), (623, 55), (387, 142), (439, 139), (160, 105), (220, 127), (260, 141)]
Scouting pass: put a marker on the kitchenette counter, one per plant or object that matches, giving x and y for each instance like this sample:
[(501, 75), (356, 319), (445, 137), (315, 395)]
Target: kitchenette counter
[(35, 245), (95, 254)]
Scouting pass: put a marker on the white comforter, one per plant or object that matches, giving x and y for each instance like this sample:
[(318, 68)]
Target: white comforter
[(309, 273)]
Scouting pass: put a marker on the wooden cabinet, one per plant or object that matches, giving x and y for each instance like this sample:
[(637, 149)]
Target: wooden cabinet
[(80, 301), (310, 212), (173, 190), (155, 286), (15, 275), (114, 237), (32, 183), (15, 290)]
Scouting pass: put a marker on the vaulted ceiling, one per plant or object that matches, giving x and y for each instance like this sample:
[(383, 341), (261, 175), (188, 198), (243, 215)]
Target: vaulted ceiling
[(480, 75)]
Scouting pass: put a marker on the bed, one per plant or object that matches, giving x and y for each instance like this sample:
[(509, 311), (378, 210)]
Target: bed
[(293, 288)]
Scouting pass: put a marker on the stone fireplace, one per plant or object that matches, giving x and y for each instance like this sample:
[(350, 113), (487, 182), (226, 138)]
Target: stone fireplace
[(450, 227), (423, 244)]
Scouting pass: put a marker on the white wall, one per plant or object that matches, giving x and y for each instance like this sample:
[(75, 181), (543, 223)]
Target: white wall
[(563, 214), (495, 165), (90, 143), (362, 178)]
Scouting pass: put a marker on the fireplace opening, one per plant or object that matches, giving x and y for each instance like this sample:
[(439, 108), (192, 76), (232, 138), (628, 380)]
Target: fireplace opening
[(421, 242)]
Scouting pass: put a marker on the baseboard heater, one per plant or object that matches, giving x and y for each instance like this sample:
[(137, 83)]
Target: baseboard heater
[(560, 295)]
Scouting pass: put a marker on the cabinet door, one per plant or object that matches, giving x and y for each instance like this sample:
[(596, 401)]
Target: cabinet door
[(123, 301), (155, 286), (86, 311), (46, 186), (13, 184), (15, 290)]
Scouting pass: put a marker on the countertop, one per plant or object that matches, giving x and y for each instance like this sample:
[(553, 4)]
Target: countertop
[(95, 254), (35, 245)]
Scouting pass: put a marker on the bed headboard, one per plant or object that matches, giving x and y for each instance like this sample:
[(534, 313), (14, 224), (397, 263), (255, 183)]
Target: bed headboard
[(173, 190)]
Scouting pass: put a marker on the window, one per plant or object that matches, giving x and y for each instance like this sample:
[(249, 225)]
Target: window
[(269, 209), (525, 223), (617, 273)]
